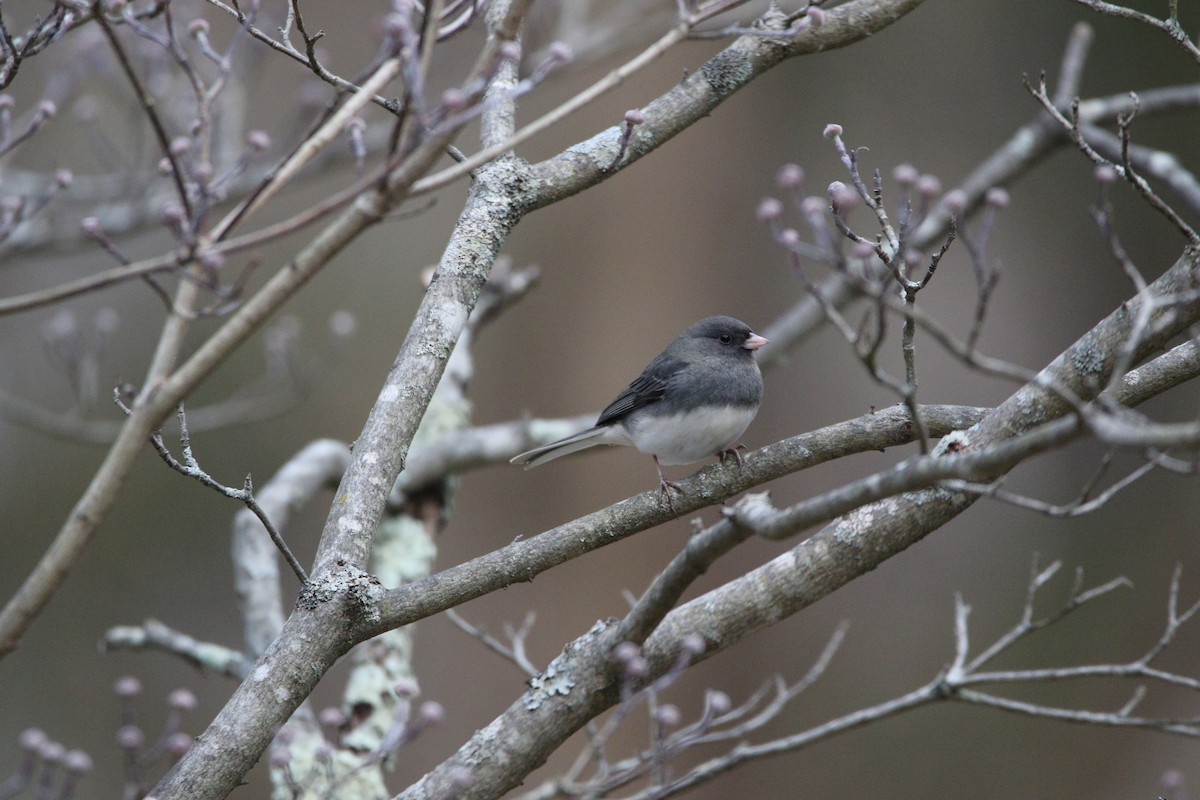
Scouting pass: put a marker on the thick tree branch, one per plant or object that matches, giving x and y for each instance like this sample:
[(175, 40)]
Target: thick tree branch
[(526, 558), (340, 597), (586, 682), (588, 163)]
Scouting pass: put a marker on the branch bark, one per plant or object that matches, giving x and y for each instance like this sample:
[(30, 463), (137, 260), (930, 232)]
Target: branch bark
[(342, 605), (585, 677)]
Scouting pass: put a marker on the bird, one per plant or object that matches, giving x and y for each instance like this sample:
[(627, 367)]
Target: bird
[(694, 400)]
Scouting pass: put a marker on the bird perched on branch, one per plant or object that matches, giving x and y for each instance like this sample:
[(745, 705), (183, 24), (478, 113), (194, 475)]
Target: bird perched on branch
[(694, 400)]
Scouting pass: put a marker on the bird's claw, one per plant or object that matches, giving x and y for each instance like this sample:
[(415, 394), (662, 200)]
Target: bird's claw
[(665, 487), (736, 452)]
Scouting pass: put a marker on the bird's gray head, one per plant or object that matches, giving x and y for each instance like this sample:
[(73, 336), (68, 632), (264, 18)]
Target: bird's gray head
[(719, 333)]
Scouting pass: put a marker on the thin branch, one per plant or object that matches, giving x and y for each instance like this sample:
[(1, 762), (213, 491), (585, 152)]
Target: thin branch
[(702, 550), (1083, 504), (309, 149), (514, 651), (190, 467), (953, 685), (154, 635), (1072, 127), (1170, 25), (149, 107)]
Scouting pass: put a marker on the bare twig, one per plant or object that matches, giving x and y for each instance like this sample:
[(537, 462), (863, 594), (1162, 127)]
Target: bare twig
[(514, 651), (309, 149), (1170, 25), (154, 635), (955, 683), (1072, 127), (190, 466), (149, 108)]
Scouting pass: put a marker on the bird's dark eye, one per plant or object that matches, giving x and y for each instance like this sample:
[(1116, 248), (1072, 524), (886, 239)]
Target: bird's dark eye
[(725, 338)]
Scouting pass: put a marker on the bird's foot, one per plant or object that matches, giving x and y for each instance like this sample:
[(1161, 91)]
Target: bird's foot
[(666, 487), (736, 452)]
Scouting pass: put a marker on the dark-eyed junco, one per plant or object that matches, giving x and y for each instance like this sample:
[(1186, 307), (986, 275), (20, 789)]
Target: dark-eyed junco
[(693, 401)]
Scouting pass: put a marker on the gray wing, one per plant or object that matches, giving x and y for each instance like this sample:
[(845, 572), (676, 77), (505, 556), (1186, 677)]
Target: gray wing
[(649, 387)]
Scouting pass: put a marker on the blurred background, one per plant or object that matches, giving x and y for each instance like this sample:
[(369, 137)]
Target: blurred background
[(626, 266)]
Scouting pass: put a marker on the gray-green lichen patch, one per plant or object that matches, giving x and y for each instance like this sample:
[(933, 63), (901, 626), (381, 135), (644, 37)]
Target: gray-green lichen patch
[(362, 589), (546, 685), (727, 72), (1088, 361), (556, 680)]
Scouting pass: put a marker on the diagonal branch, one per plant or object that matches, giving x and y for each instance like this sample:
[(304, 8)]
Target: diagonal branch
[(502, 753)]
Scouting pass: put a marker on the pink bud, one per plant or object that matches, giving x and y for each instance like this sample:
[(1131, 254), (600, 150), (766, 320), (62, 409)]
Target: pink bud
[(719, 702), (955, 201), (812, 206), (454, 100), (78, 762), (32, 739), (769, 210), (626, 652), (669, 715), (343, 324), (331, 717), (929, 186), (258, 140), (693, 644), (130, 737), (562, 53), (790, 176), (841, 197), (53, 752), (432, 712), (905, 176), (178, 744), (172, 215), (637, 668), (182, 699)]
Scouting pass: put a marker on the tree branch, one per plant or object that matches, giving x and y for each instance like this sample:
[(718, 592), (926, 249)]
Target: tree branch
[(586, 680)]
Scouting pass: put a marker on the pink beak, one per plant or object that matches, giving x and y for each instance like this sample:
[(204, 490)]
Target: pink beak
[(754, 342)]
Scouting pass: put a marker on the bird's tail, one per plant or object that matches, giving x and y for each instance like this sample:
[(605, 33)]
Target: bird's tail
[(580, 441)]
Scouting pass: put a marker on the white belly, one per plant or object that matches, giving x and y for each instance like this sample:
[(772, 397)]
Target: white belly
[(688, 438)]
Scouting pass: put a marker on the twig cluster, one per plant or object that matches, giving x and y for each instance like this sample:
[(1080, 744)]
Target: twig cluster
[(46, 767)]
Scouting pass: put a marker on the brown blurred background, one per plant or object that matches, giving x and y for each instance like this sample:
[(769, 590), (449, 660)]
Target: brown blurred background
[(625, 267)]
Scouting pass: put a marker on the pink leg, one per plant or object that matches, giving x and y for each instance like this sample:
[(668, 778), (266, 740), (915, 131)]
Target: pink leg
[(665, 487)]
